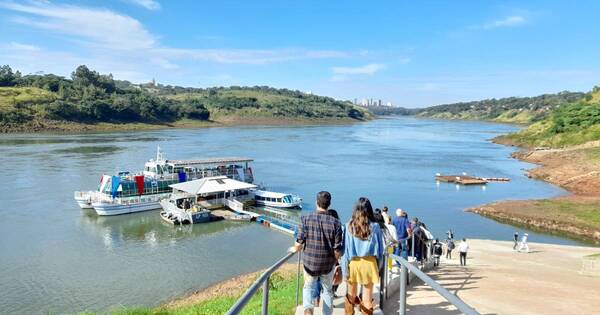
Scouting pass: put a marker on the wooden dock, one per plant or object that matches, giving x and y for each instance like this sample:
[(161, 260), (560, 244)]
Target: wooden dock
[(469, 180)]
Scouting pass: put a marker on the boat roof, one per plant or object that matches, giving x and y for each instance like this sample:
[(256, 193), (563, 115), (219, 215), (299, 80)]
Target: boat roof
[(221, 160), (271, 194), (209, 185)]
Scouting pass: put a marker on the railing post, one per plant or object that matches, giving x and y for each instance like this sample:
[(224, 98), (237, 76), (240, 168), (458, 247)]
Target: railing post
[(265, 301), (298, 278), (403, 280)]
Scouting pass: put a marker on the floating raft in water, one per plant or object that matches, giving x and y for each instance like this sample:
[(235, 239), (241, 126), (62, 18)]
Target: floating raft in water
[(469, 180)]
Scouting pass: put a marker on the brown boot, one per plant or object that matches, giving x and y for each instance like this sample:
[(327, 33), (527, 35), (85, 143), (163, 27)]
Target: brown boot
[(349, 304), (366, 311)]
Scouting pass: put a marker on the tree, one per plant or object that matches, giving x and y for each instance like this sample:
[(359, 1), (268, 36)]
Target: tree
[(7, 77)]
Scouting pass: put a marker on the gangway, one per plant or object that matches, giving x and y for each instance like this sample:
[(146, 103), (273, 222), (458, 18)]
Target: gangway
[(274, 218)]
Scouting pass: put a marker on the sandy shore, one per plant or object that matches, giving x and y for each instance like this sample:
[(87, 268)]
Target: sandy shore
[(576, 169)]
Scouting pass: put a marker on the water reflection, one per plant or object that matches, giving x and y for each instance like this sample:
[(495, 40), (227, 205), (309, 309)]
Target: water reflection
[(148, 228)]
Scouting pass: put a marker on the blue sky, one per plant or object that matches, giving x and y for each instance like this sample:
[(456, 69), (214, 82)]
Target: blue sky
[(412, 54)]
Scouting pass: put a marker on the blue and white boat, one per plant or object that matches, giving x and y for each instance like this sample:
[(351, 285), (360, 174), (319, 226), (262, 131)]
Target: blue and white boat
[(127, 193), (278, 200)]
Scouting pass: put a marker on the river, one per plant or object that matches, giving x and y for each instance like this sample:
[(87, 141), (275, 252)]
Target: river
[(55, 257)]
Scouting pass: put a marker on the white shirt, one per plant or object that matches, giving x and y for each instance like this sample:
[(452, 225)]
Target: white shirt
[(392, 230), (463, 247)]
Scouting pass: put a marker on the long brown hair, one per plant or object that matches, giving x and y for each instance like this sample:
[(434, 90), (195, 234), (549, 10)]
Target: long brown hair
[(359, 224)]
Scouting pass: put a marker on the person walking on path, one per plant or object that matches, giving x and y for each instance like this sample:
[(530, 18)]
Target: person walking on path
[(320, 234), (463, 248), (386, 217), (449, 248), (516, 240), (403, 232), (523, 244), (437, 252), (363, 253)]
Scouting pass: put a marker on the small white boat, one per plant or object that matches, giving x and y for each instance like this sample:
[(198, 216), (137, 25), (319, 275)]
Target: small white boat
[(175, 215), (278, 200)]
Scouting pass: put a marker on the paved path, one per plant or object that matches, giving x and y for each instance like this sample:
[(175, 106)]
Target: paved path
[(498, 280)]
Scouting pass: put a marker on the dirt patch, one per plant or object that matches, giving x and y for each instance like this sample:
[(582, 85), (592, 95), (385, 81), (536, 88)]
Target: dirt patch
[(232, 287)]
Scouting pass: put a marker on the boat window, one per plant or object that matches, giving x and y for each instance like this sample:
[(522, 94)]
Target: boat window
[(278, 199)]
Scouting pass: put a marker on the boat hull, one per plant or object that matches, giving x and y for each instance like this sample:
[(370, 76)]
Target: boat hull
[(279, 204), (105, 209)]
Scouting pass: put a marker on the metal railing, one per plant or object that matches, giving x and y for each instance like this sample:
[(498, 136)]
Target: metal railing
[(405, 267), (263, 281)]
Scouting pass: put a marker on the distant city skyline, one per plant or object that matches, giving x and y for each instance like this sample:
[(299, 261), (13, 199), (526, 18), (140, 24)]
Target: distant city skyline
[(413, 55)]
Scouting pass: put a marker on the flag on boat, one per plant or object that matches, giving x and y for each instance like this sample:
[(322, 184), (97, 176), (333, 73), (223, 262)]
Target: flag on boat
[(115, 184), (139, 181), (182, 177)]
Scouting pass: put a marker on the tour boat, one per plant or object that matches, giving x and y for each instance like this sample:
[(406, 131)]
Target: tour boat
[(278, 200), (127, 193)]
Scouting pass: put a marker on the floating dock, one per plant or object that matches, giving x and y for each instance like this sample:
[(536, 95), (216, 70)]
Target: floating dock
[(469, 180)]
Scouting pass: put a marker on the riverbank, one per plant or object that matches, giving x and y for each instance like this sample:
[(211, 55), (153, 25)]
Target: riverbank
[(219, 297), (576, 169), (66, 127)]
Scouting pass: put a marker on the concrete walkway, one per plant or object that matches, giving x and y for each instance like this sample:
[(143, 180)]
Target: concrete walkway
[(498, 280)]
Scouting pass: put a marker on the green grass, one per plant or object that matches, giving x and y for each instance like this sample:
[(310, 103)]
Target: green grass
[(594, 256), (282, 301), (579, 213)]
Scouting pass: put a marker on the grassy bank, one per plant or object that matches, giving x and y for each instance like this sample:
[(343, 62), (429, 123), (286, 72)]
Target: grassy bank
[(572, 217), (217, 299)]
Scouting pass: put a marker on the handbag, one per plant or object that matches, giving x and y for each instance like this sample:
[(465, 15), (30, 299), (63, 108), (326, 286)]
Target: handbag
[(337, 275)]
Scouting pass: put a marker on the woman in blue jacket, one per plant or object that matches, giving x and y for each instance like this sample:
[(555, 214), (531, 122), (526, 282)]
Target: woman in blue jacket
[(363, 252)]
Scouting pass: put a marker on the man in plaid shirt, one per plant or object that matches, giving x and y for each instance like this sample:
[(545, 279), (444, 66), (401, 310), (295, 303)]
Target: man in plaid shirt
[(321, 237)]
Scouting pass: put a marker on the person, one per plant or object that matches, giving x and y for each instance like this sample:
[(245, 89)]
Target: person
[(437, 252), (516, 240), (403, 231), (336, 283), (186, 204), (363, 252), (463, 248), (386, 217), (449, 248), (450, 234), (524, 243), (418, 239), (321, 237)]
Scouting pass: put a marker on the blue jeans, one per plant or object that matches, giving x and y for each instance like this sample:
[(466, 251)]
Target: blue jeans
[(402, 249), (310, 283)]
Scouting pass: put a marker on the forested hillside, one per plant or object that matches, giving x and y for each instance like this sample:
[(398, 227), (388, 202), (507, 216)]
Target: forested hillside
[(523, 110), (570, 124), (38, 102)]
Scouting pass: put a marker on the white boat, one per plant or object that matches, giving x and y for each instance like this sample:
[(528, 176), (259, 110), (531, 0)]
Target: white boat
[(127, 193), (278, 200), (174, 214)]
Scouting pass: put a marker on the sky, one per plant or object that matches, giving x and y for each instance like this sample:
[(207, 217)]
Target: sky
[(410, 53)]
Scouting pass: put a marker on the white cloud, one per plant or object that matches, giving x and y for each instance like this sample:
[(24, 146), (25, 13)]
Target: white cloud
[(148, 4), (342, 73), (366, 69), (19, 47), (96, 26), (509, 21)]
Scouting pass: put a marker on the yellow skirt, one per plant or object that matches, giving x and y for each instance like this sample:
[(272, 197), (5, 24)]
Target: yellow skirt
[(363, 270)]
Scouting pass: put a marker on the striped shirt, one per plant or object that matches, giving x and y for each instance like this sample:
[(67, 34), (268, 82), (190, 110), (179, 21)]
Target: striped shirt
[(321, 235)]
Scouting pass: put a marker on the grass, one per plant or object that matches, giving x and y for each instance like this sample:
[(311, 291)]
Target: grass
[(594, 256), (282, 301), (583, 213)]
